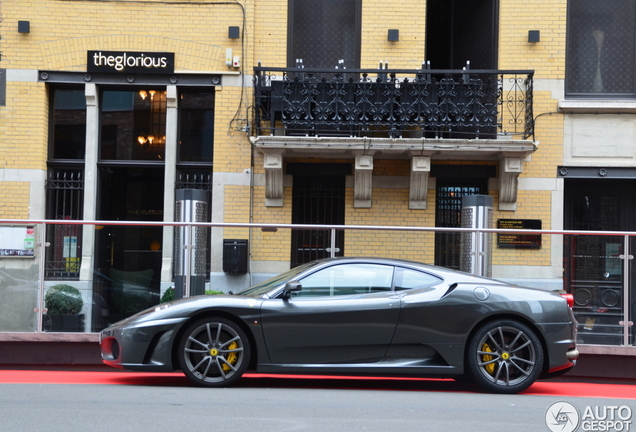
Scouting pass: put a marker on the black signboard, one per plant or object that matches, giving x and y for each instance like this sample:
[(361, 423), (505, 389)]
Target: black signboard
[(130, 62), (3, 87), (519, 241)]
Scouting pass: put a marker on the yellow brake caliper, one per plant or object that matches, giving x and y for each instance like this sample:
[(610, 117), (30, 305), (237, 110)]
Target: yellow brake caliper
[(490, 368), (231, 357)]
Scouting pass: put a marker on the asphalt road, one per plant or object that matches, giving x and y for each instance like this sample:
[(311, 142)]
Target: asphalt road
[(273, 405)]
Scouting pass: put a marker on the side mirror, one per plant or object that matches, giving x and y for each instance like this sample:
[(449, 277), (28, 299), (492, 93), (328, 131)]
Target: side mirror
[(291, 287)]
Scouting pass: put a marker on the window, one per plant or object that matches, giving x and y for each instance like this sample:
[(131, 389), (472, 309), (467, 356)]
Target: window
[(348, 279), (196, 126), (448, 213), (322, 32), (412, 279), (68, 123), (133, 124), (600, 48), (64, 201), (65, 181)]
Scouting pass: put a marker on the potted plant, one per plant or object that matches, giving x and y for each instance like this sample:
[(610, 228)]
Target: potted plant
[(169, 294), (64, 304)]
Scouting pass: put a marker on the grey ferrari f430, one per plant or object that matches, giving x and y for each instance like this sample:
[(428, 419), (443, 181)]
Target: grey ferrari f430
[(356, 316)]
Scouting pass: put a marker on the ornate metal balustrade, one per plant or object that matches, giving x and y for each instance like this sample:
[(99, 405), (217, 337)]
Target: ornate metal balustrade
[(459, 104)]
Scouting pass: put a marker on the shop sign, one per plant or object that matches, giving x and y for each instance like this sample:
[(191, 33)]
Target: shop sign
[(130, 62), (519, 241)]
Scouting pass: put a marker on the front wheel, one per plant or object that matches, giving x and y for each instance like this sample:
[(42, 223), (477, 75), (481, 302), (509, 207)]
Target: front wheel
[(504, 356), (214, 352)]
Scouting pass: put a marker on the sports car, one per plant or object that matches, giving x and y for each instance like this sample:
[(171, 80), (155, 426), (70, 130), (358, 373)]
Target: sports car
[(356, 316)]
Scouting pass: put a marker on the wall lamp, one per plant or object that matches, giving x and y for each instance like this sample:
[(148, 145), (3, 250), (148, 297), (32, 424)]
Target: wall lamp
[(534, 36), (24, 27), (394, 35)]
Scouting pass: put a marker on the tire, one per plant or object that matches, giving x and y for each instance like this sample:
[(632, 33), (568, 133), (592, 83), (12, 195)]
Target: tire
[(214, 352), (504, 356)]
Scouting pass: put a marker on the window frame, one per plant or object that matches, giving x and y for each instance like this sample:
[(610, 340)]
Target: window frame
[(590, 95), (349, 63)]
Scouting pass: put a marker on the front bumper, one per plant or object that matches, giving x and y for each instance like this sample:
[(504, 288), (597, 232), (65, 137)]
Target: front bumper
[(140, 346)]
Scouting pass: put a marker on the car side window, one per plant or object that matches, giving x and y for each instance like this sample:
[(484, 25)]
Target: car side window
[(347, 279), (413, 279)]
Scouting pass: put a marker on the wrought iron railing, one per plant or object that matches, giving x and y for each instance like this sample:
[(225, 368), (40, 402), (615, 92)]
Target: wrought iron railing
[(460, 104), (65, 190)]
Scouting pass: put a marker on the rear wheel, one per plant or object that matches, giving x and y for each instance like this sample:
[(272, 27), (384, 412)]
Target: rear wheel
[(214, 352), (504, 356)]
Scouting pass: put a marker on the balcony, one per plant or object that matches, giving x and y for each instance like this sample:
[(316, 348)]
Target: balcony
[(421, 115), (394, 103)]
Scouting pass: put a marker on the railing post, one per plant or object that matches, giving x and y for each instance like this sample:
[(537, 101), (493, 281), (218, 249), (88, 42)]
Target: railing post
[(332, 253), (41, 271), (187, 260), (627, 257)]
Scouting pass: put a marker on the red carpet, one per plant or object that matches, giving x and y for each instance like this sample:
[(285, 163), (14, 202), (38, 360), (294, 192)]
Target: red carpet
[(569, 389)]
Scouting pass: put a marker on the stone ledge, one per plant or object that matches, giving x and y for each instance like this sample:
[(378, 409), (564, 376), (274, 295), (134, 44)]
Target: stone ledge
[(594, 106)]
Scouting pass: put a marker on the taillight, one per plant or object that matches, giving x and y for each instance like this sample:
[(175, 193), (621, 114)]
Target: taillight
[(569, 298)]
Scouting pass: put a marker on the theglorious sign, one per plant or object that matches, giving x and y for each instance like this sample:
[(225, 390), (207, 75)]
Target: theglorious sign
[(130, 62)]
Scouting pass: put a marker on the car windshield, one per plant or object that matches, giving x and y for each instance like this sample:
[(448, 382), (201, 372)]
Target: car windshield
[(265, 286)]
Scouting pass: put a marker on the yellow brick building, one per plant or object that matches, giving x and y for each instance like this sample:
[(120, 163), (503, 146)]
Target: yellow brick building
[(110, 107)]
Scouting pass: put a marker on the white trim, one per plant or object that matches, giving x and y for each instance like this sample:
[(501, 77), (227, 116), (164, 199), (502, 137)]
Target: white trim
[(593, 106)]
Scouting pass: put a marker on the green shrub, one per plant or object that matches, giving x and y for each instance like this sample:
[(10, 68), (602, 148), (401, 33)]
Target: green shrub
[(63, 299), (168, 295)]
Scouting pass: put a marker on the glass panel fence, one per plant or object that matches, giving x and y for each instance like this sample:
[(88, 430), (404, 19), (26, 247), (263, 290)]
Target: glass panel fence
[(597, 268)]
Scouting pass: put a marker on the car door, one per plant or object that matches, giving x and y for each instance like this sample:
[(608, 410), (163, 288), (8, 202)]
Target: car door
[(345, 313)]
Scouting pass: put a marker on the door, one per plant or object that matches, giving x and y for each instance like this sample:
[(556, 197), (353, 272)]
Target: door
[(128, 260), (344, 314), (458, 31), (318, 198), (594, 271)]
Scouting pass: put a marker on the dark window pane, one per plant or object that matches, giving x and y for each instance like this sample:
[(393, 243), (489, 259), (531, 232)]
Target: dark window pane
[(324, 32), (196, 127), (601, 38), (133, 125), (117, 101), (68, 124)]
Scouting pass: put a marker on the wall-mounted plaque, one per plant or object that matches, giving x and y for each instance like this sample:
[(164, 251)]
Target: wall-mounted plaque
[(519, 241)]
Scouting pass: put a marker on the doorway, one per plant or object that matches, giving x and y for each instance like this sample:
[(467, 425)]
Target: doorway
[(128, 258), (462, 30), (318, 197), (593, 265)]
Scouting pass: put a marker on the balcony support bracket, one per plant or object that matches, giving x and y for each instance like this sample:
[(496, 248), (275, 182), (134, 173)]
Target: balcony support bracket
[(418, 190), (273, 165), (363, 181), (509, 170)]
